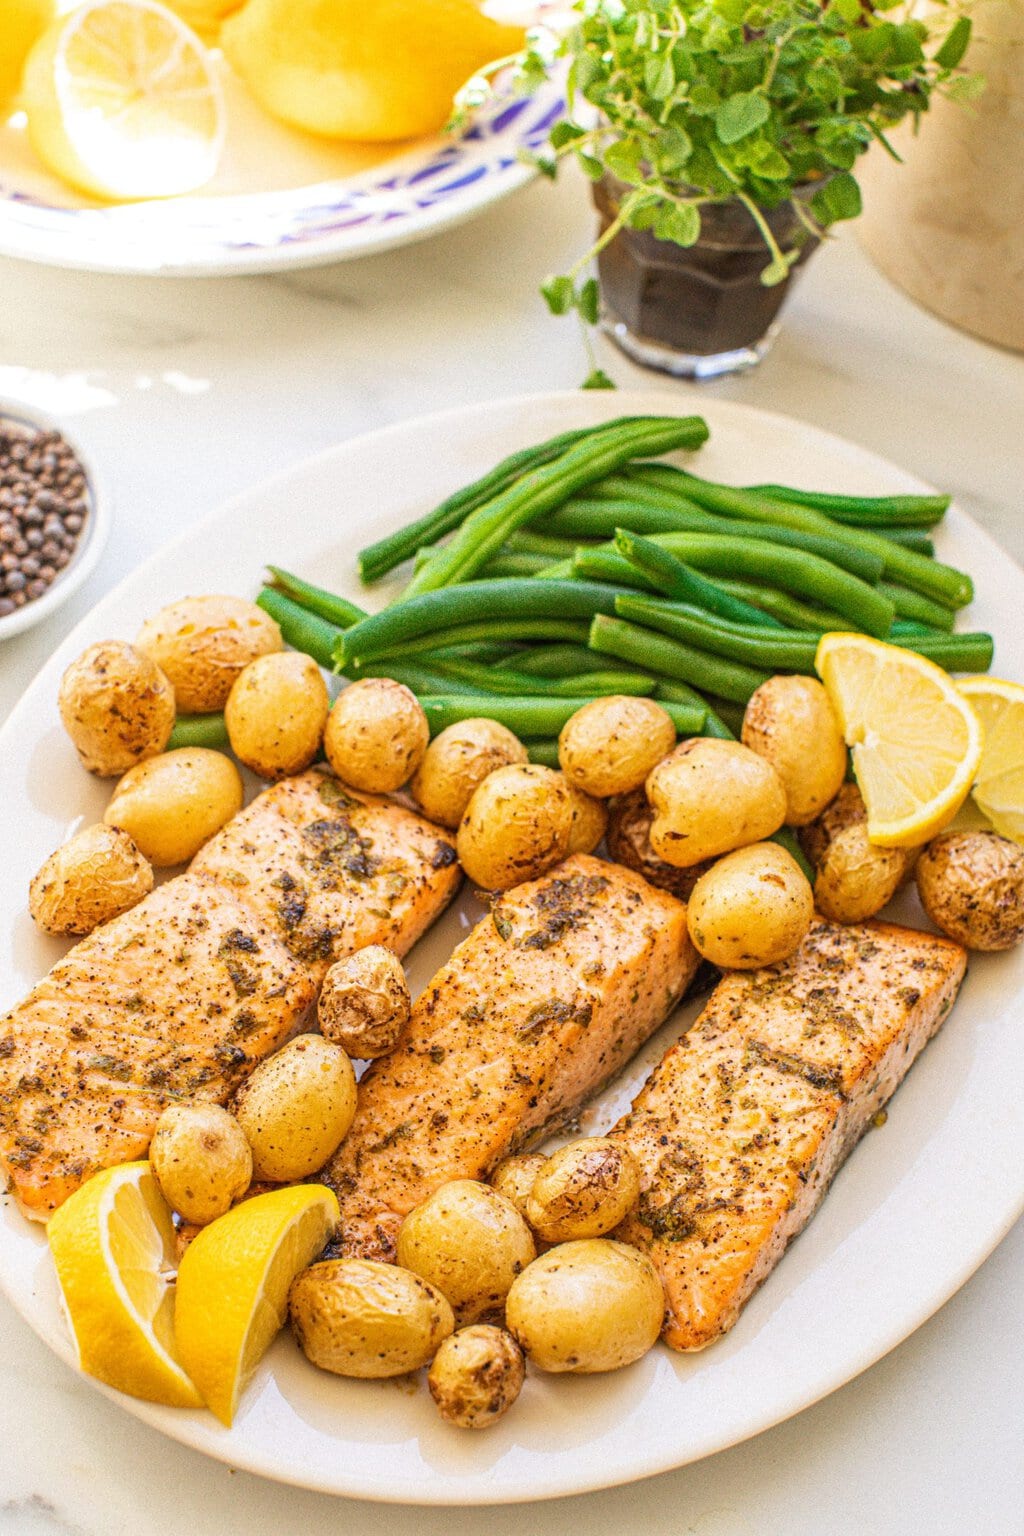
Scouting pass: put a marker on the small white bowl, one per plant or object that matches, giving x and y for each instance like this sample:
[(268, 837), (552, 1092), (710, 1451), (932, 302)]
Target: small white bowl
[(94, 534)]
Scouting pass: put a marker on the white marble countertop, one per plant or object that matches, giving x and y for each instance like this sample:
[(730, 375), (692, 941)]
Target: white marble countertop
[(187, 391)]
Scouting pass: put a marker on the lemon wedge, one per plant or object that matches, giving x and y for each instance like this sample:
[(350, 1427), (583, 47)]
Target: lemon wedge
[(999, 780), (916, 740), (112, 1242), (233, 1286), (204, 16), (22, 22), (123, 103)]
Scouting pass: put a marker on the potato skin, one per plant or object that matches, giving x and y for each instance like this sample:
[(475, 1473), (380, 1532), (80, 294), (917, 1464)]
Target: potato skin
[(95, 876), (376, 735), (117, 707), (517, 825), (586, 1306), (790, 722), (584, 1190), (844, 810), (296, 1108), (458, 759), (202, 644), (971, 885), (201, 1159), (856, 879), (610, 745), (710, 797), (276, 712), (469, 1242), (357, 1317), (514, 1176), (364, 1003), (752, 908), (172, 804), (589, 820), (476, 1376), (629, 842)]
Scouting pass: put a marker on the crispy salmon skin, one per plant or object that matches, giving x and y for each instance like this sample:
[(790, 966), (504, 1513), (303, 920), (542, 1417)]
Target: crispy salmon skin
[(182, 996), (546, 999), (740, 1128)]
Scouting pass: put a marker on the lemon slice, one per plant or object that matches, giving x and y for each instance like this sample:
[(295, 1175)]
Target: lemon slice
[(233, 1286), (916, 740), (112, 1242), (999, 780), (122, 101)]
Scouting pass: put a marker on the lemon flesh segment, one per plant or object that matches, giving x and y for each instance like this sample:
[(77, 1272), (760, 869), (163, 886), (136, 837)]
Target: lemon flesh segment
[(22, 23), (233, 1286), (999, 781), (113, 1247), (122, 102), (916, 741)]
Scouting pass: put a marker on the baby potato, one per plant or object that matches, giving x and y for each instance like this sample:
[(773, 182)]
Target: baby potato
[(458, 759), (583, 1190), (589, 820), (117, 707), (610, 745), (357, 1317), (855, 879), (376, 735), (710, 797), (203, 643), (971, 885), (514, 1177), (364, 1003), (476, 1376), (468, 1241), (586, 1306), (276, 713), (844, 810), (790, 722), (629, 842), (201, 1160), (753, 907), (98, 874), (171, 804), (517, 825), (296, 1108)]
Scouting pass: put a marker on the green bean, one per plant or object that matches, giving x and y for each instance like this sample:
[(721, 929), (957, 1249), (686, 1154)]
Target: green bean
[(786, 838), (421, 679), (511, 563), (965, 652), (673, 692), (199, 731), (782, 605), (533, 716), (862, 511), (527, 541), (901, 627), (729, 713), (774, 649), (911, 538), (913, 605), (669, 575), (511, 631), (585, 684), (474, 602), (542, 750), (541, 490), (302, 630), (644, 648), (337, 610), (551, 661)]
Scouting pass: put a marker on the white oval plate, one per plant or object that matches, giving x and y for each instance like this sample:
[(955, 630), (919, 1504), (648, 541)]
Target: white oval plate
[(280, 198), (918, 1207)]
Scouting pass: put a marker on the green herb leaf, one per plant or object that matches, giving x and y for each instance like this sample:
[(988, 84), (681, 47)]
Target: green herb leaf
[(679, 222), (588, 301), (837, 199), (741, 114), (598, 379), (558, 291), (955, 46)]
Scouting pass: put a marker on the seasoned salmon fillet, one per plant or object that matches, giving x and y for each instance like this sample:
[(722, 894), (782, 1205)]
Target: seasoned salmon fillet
[(545, 1000), (182, 996), (741, 1127)]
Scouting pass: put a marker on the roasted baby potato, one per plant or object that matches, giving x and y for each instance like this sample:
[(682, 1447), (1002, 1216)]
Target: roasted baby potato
[(297, 1107), (476, 1376), (710, 797), (971, 885), (376, 735), (202, 644), (790, 722), (583, 1190), (365, 1004), (586, 1306), (201, 1159), (610, 745), (629, 842), (170, 805), (96, 875), (844, 810), (517, 825), (514, 1177), (589, 821), (753, 907), (276, 713), (357, 1317), (458, 759), (468, 1241), (117, 707), (856, 879)]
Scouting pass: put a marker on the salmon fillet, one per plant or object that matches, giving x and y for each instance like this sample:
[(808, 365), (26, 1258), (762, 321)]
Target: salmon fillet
[(545, 1000), (182, 996), (742, 1125)]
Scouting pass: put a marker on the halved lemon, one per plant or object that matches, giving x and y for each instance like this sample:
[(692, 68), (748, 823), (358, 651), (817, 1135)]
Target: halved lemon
[(123, 102), (21, 23), (999, 780), (916, 740), (233, 1286), (112, 1242)]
